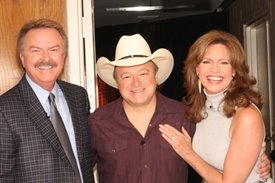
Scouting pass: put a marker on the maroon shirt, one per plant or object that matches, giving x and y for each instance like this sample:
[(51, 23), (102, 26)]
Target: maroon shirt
[(124, 156)]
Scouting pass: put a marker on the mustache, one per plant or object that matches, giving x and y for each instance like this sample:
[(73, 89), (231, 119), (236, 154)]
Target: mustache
[(44, 63)]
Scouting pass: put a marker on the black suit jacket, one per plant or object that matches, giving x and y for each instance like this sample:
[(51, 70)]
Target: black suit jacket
[(29, 147)]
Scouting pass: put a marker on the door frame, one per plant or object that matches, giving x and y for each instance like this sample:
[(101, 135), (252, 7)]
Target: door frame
[(80, 27), (250, 44)]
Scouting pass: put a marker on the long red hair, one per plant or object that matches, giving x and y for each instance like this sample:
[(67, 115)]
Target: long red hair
[(239, 93)]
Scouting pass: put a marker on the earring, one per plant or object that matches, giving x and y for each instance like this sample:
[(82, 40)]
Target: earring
[(199, 85), (233, 77)]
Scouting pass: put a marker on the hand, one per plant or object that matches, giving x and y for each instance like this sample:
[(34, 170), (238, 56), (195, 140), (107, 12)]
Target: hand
[(264, 167), (181, 142)]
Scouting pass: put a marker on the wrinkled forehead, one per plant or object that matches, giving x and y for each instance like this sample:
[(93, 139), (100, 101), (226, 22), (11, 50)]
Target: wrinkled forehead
[(148, 67)]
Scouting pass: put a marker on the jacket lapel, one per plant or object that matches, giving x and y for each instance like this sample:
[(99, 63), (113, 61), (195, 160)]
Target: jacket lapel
[(38, 116), (73, 108)]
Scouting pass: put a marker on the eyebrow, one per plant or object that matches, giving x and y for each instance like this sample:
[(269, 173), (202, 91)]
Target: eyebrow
[(47, 48)]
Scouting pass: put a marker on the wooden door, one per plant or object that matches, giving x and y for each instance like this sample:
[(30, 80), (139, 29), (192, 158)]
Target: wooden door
[(13, 14)]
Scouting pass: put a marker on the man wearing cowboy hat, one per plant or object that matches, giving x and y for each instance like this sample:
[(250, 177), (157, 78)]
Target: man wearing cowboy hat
[(125, 133)]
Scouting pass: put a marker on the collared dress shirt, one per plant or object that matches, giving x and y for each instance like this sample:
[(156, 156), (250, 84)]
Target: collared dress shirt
[(124, 156), (63, 109)]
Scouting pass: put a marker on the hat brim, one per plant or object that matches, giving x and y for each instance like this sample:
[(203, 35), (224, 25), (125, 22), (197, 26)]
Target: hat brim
[(161, 57)]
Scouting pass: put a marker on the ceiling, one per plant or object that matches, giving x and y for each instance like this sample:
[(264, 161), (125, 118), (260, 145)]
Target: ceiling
[(111, 12)]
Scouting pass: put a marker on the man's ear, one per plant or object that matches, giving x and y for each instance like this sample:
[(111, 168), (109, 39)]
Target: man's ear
[(22, 59)]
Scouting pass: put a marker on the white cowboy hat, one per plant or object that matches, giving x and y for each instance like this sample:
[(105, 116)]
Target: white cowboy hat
[(134, 50)]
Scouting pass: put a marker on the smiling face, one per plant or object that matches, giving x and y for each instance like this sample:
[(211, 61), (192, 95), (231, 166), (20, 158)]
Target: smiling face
[(137, 84), (43, 56), (215, 71)]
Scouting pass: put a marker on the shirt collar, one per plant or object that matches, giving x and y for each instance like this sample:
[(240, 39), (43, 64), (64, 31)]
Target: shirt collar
[(40, 92)]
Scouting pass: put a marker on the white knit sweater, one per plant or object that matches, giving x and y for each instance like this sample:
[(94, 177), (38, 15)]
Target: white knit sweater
[(211, 140)]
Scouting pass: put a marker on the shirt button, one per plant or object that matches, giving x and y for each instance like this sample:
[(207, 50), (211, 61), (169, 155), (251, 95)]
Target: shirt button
[(145, 166), (113, 150), (150, 125)]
